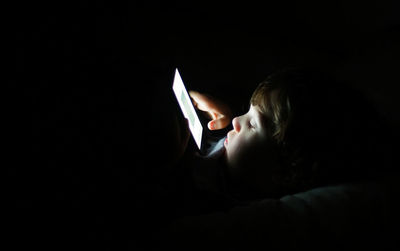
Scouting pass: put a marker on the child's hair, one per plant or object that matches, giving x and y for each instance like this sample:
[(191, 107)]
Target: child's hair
[(319, 127)]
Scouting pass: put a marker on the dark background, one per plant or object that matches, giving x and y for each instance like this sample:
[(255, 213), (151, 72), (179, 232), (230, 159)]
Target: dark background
[(85, 80)]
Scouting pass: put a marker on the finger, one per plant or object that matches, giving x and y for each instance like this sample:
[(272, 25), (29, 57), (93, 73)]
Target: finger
[(199, 100), (219, 123), (192, 95), (203, 102), (209, 104)]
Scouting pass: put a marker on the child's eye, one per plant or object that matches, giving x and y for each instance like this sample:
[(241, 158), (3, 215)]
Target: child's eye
[(251, 126)]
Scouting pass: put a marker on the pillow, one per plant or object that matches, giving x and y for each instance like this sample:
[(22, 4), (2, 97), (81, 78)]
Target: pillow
[(340, 217), (346, 216)]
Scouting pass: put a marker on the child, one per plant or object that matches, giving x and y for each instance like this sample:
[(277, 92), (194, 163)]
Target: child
[(302, 130)]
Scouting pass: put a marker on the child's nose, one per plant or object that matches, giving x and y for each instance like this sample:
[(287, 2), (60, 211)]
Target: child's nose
[(236, 124)]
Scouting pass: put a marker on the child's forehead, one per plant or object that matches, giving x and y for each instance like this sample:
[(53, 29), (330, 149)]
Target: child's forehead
[(254, 108), (256, 112)]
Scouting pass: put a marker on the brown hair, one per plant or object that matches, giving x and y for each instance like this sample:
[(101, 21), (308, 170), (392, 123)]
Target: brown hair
[(275, 108), (319, 127), (309, 117), (275, 97)]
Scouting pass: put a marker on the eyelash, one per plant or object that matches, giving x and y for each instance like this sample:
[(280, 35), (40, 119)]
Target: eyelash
[(251, 126)]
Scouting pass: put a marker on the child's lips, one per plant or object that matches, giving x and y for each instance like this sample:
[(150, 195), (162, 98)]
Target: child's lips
[(226, 140)]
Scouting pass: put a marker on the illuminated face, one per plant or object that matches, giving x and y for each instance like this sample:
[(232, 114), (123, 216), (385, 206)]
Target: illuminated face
[(248, 148)]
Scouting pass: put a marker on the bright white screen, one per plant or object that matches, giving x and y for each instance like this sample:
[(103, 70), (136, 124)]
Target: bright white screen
[(187, 108)]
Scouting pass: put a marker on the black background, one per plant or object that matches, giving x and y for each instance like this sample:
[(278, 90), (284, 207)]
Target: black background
[(85, 80)]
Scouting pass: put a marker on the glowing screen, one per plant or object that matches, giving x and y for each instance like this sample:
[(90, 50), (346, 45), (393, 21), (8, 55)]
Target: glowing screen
[(187, 108)]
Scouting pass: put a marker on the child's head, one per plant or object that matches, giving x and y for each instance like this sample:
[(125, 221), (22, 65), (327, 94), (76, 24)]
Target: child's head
[(252, 147), (297, 119)]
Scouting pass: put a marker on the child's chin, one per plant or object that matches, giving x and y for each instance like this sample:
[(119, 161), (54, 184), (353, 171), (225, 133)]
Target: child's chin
[(226, 142), (225, 156)]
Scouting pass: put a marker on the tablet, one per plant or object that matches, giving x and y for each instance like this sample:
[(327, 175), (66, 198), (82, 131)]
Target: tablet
[(187, 108)]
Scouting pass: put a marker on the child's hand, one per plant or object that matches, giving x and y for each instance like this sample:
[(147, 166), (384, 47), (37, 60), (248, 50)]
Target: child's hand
[(219, 112)]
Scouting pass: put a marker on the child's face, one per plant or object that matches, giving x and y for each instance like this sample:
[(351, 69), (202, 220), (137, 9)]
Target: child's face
[(248, 149)]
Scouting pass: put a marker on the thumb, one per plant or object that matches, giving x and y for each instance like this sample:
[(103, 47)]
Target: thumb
[(219, 123)]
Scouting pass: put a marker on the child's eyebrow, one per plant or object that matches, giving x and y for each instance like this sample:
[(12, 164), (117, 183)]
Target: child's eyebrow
[(258, 116)]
